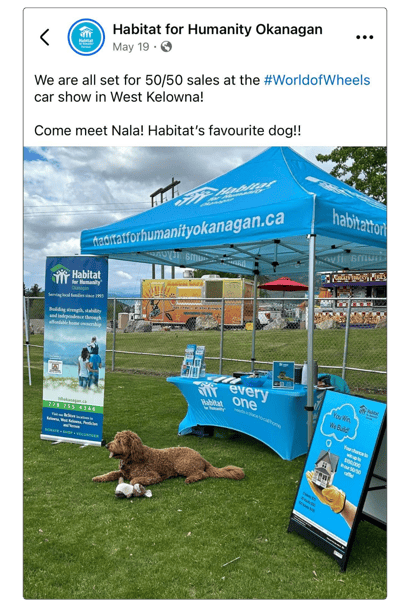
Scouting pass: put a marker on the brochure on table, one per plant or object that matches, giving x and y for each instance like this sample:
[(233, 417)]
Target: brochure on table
[(193, 365), (283, 375)]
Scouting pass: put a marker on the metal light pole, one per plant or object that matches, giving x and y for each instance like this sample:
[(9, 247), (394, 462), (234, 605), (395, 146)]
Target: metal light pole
[(170, 186)]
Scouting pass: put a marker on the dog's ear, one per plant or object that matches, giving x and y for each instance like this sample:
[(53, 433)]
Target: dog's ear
[(122, 440), (136, 447)]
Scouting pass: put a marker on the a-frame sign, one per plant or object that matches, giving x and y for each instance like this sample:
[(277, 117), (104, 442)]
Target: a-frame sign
[(337, 473)]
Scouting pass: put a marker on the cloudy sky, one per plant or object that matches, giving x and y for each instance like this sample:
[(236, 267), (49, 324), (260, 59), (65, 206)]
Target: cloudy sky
[(69, 189)]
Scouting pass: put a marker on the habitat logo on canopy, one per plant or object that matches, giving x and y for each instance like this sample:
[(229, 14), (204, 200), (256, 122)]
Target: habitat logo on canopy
[(86, 37), (222, 195), (60, 274), (196, 196)]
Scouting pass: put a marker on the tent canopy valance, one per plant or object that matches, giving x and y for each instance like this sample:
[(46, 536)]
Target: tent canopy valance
[(258, 217)]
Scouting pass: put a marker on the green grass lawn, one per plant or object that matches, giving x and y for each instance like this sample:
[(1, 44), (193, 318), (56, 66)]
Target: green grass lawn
[(80, 542)]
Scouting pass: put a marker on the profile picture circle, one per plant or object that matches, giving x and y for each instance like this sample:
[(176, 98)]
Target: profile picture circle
[(86, 37)]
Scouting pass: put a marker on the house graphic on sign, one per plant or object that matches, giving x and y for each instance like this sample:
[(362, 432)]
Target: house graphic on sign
[(86, 32), (325, 469)]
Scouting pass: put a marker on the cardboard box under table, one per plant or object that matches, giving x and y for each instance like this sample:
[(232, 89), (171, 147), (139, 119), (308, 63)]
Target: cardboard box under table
[(277, 417)]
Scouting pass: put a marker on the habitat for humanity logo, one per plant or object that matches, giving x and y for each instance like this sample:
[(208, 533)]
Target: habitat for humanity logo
[(86, 37), (60, 274), (368, 413), (216, 196), (209, 391), (206, 389), (196, 196)]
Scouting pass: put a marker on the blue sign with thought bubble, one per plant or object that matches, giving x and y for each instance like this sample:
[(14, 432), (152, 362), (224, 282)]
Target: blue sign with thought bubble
[(341, 423), (337, 471)]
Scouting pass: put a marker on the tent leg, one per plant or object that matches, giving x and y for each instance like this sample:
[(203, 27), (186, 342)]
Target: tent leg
[(221, 343), (255, 295), (27, 339), (114, 333), (349, 311), (311, 326)]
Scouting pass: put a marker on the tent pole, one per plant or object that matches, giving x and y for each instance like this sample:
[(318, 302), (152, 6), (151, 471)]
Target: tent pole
[(311, 326), (349, 311), (27, 337), (221, 343), (255, 295)]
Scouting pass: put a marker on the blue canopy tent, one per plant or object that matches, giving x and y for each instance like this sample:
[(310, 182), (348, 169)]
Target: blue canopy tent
[(277, 212)]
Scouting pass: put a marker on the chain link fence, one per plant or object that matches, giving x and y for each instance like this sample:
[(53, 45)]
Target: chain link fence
[(150, 336)]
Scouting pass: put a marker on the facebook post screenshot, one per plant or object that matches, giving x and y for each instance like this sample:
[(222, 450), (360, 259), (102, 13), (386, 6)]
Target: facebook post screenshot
[(205, 301)]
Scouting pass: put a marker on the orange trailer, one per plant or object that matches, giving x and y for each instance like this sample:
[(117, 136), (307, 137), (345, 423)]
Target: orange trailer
[(180, 301)]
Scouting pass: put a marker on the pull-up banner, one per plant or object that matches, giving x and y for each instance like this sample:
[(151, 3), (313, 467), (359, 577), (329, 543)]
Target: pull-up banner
[(337, 473), (75, 321)]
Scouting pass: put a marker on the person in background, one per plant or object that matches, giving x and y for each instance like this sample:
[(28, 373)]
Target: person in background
[(93, 346), (83, 373), (94, 367)]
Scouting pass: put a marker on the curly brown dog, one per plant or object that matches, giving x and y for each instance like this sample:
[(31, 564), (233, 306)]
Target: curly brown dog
[(147, 466)]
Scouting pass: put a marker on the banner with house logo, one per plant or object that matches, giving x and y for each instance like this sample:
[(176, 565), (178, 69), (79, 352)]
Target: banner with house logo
[(75, 320), (337, 472)]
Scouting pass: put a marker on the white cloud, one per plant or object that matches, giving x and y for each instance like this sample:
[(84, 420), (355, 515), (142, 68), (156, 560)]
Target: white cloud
[(70, 246), (122, 274)]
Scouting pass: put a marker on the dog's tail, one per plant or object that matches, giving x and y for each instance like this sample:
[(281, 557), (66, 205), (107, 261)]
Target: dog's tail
[(233, 472)]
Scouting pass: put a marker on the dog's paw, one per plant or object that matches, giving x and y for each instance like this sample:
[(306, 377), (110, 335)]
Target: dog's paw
[(97, 479)]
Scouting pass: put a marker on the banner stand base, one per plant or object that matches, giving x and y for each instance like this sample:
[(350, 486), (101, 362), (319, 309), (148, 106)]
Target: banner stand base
[(77, 441)]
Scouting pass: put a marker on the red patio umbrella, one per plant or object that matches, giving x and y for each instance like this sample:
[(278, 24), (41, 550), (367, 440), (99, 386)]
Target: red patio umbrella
[(283, 284)]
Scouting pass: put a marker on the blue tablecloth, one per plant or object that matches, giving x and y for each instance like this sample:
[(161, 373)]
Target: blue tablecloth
[(277, 417)]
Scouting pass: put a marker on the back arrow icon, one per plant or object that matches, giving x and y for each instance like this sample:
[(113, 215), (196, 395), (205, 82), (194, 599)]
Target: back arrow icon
[(41, 37)]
